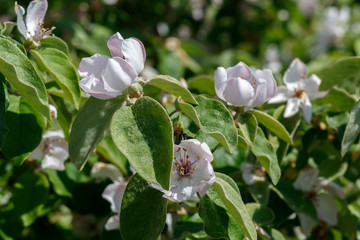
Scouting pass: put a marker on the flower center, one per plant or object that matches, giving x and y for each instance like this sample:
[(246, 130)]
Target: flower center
[(184, 166), (299, 92)]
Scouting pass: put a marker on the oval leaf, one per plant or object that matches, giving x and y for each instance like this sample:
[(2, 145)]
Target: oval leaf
[(248, 127), (172, 86), (202, 84), (143, 211), (213, 118), (144, 134), (273, 125), (55, 42), (4, 104), (234, 204), (340, 71), (62, 70), (90, 127), (352, 129), (21, 74), (265, 153), (259, 214), (26, 126)]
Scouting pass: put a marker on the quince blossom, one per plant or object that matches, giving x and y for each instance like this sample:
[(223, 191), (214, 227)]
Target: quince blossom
[(299, 90), (325, 205), (32, 26), (252, 174), (53, 150), (113, 193), (192, 171), (238, 86), (105, 77)]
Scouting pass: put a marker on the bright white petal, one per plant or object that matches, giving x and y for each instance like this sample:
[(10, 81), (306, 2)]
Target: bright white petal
[(307, 110), (115, 45), (35, 15), (203, 176), (196, 148), (20, 11), (220, 82), (240, 70), (105, 170), (282, 94), (113, 223), (95, 87), (297, 72), (326, 209), (53, 162), (307, 180), (54, 134), (93, 65), (134, 53), (53, 111), (118, 75), (113, 193), (267, 75), (292, 107), (312, 87), (239, 92)]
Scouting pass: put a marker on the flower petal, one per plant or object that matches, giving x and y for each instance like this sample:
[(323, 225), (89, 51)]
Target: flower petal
[(197, 148), (331, 187), (307, 180), (296, 73), (118, 75), (106, 170), (115, 44), (35, 15), (240, 70), (95, 87), (220, 82), (38, 153), (114, 193), (93, 65), (134, 53), (312, 87), (20, 11), (113, 223), (307, 109), (282, 94), (53, 162), (238, 92), (292, 107)]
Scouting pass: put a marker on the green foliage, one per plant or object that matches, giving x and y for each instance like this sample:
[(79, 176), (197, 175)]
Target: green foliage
[(212, 117), (55, 42), (143, 133), (202, 84), (19, 71), (248, 126), (26, 127), (143, 211), (4, 104), (352, 129), (90, 127)]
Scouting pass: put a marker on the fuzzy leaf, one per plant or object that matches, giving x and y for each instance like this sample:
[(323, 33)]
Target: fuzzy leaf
[(352, 129)]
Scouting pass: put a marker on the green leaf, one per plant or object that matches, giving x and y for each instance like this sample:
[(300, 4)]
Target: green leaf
[(108, 150), (170, 64), (21, 74), (59, 187), (55, 42), (143, 211), (4, 104), (340, 71), (90, 127), (16, 43), (352, 129), (26, 126), (202, 84), (213, 118), (265, 153), (242, 142), (295, 199), (248, 127), (339, 100), (259, 214), (234, 204), (8, 27), (172, 86), (260, 192), (144, 134), (218, 222), (273, 125), (59, 66), (30, 194)]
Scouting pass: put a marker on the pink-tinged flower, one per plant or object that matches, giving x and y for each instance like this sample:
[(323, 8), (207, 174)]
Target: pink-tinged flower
[(238, 86), (325, 205), (105, 77), (192, 171), (32, 26), (299, 90), (113, 193), (252, 174), (53, 150)]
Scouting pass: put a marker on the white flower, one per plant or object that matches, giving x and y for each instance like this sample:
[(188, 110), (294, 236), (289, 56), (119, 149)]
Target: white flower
[(53, 111), (113, 193), (272, 58), (53, 150), (307, 7), (239, 87), (252, 175), (192, 171), (32, 26), (325, 205), (105, 77), (299, 90)]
